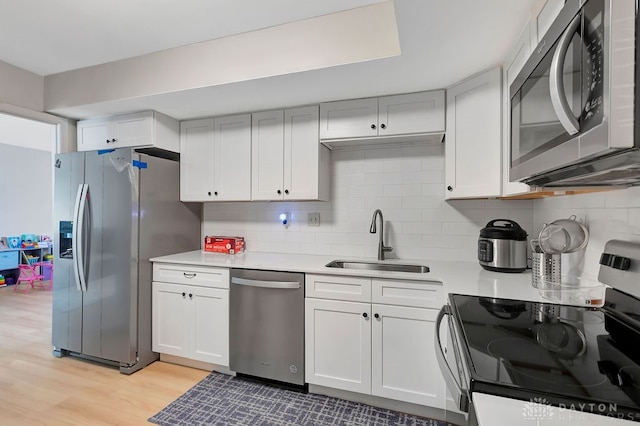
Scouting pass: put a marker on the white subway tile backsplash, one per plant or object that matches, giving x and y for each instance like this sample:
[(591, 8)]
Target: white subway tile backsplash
[(421, 202), (422, 228), (348, 250), (435, 189), (458, 228), (411, 189), (405, 183), (382, 178)]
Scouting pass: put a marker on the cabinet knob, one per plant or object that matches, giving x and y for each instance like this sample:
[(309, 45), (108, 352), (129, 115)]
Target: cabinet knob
[(373, 126), (279, 192), (190, 296), (383, 126), (286, 191), (113, 140), (184, 294), (449, 188), (215, 193), (376, 316), (364, 314), (108, 141), (209, 193)]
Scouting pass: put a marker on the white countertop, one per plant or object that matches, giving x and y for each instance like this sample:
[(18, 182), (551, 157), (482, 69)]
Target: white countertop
[(457, 277)]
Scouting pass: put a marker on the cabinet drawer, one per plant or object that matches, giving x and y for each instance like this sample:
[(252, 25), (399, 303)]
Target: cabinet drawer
[(193, 275), (354, 289), (422, 294)]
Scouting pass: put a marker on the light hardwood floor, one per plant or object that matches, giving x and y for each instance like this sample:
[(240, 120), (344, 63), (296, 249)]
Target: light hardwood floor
[(39, 389)]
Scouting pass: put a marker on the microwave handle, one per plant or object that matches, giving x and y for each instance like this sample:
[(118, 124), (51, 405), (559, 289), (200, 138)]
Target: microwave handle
[(556, 82)]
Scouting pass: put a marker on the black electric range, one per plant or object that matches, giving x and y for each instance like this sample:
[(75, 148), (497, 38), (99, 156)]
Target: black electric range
[(576, 358)]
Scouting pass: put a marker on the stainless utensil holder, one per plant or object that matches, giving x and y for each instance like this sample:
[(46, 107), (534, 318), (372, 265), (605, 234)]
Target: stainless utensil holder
[(545, 267)]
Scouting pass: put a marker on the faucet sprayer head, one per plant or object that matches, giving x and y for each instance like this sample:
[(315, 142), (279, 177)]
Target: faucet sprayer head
[(372, 229)]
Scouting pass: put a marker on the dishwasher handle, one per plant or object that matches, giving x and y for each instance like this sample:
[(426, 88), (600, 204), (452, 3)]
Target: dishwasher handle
[(265, 283)]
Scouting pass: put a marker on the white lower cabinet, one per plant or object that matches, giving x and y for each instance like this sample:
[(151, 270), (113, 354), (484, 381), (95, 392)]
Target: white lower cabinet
[(338, 344), (191, 321), (403, 361), (378, 349)]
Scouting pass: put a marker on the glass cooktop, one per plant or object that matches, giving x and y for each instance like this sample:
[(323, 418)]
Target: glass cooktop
[(584, 359)]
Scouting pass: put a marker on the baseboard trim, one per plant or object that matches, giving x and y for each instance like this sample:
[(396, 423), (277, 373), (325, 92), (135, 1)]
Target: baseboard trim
[(376, 401), (200, 365)]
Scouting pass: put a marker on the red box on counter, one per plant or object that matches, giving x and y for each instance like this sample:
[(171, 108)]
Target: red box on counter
[(227, 245)]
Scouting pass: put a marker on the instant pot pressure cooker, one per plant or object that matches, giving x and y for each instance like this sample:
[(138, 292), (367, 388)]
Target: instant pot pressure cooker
[(502, 246)]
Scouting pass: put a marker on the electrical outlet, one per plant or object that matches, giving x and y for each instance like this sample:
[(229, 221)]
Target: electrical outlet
[(313, 219)]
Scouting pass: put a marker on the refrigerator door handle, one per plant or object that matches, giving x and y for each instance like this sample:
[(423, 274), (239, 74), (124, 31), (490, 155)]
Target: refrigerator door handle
[(74, 235), (78, 244)]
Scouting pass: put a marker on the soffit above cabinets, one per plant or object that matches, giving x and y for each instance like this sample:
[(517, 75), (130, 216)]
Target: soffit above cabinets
[(431, 45)]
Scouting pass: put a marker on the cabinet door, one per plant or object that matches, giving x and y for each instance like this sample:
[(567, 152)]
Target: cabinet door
[(94, 134), (473, 145), (232, 158), (547, 15), (209, 325), (170, 325), (133, 130), (267, 155), (349, 119), (411, 113), (404, 364), (338, 344), (196, 160), (301, 153)]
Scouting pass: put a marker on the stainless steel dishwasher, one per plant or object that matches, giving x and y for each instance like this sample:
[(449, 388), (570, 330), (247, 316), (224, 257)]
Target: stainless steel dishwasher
[(266, 318)]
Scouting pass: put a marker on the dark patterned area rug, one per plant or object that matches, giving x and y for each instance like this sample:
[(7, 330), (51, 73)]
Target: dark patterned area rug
[(220, 399)]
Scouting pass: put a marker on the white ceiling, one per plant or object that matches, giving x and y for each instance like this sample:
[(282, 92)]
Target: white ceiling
[(442, 42)]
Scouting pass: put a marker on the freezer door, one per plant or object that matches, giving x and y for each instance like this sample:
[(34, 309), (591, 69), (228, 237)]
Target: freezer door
[(109, 322), (66, 332)]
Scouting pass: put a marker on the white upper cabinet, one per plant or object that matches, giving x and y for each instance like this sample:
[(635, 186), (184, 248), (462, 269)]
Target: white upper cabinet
[(288, 162), (349, 119), (411, 113), (215, 159), (267, 154), (473, 145), (547, 15), (148, 129), (371, 120)]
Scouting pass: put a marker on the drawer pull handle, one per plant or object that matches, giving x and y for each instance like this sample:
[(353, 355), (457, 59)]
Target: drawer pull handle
[(191, 275)]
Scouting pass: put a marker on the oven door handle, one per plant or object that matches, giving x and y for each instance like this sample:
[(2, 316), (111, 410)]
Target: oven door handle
[(460, 397), (556, 82)]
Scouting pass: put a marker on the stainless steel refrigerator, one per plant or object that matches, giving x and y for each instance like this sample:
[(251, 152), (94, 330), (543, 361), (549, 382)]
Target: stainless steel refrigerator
[(114, 211)]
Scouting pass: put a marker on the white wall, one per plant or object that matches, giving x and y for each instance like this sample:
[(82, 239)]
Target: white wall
[(608, 215), (20, 87), (405, 183), (26, 193), (27, 133)]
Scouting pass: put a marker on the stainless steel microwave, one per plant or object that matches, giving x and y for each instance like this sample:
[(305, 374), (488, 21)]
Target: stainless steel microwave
[(573, 115)]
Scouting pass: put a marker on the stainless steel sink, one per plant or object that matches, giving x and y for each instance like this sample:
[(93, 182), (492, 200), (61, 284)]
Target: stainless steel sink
[(378, 266)]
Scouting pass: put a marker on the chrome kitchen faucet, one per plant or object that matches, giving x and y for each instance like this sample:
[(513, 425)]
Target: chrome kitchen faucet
[(381, 247)]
